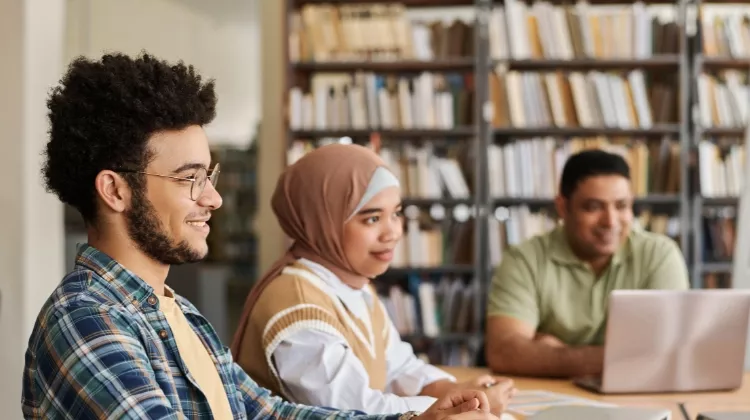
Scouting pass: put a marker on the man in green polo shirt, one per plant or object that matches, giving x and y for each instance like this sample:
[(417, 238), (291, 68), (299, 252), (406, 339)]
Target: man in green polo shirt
[(548, 300)]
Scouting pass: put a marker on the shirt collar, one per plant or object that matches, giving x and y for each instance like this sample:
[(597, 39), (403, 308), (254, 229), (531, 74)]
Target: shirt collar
[(340, 289), (124, 284)]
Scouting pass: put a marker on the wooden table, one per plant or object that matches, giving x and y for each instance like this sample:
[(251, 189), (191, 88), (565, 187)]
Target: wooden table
[(694, 403)]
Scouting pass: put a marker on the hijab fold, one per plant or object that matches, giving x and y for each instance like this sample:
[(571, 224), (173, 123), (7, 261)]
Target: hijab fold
[(312, 201)]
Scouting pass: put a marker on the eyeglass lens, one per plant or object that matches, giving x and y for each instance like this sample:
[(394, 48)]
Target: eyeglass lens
[(214, 175), (200, 181)]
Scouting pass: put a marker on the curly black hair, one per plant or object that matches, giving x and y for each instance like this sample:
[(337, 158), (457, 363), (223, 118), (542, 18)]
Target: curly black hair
[(103, 114)]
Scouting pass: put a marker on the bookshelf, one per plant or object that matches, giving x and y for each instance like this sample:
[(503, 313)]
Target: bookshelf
[(500, 88), (719, 113), (233, 240)]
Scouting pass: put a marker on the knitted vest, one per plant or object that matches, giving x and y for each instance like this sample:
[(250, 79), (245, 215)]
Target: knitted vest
[(299, 300)]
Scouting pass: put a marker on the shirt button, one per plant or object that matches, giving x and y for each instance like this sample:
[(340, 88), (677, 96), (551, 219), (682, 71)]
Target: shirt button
[(163, 334), (152, 300)]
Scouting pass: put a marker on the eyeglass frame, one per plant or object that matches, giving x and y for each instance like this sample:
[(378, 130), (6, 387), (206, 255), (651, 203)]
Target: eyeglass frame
[(211, 175)]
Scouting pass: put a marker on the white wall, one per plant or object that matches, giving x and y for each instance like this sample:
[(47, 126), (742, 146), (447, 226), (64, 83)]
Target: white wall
[(31, 238), (219, 37)]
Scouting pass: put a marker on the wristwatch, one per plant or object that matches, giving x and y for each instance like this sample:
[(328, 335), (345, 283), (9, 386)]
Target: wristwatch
[(409, 415)]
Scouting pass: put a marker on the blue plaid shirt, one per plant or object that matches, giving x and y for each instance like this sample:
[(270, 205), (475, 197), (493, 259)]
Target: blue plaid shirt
[(101, 349)]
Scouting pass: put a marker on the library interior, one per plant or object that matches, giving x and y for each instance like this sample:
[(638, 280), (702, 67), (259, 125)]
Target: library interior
[(565, 239)]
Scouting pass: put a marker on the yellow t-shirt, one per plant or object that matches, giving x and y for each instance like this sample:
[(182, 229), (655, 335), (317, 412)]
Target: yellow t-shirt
[(196, 358)]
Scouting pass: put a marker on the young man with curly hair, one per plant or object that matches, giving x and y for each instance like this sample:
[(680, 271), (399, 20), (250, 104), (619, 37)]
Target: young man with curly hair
[(128, 150)]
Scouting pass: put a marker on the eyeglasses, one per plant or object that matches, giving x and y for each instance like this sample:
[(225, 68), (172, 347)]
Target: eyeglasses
[(198, 180)]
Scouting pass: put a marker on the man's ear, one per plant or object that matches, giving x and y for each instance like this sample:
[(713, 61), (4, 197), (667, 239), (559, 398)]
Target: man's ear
[(113, 190)]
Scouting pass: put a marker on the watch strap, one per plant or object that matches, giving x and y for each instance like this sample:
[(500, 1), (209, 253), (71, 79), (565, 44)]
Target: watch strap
[(408, 415)]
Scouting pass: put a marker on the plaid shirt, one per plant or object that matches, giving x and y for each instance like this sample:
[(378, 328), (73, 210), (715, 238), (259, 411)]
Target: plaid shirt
[(101, 349)]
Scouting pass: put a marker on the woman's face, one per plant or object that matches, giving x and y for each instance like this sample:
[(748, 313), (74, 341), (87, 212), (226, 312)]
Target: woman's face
[(371, 235)]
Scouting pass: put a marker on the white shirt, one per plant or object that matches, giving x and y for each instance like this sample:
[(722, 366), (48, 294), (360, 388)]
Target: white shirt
[(320, 369)]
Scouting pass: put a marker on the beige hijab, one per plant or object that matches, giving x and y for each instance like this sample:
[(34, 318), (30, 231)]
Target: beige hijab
[(313, 199)]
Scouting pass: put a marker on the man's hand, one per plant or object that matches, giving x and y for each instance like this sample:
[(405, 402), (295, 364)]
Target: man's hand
[(499, 390), (461, 404)]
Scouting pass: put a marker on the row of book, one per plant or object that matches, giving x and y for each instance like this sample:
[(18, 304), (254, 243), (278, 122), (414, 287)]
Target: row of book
[(425, 174), (717, 280), (233, 238), (432, 308), (723, 99), (543, 30), (365, 100), (430, 100), (719, 233), (522, 224), (427, 243), (725, 31), (580, 99), (517, 30), (531, 168), (525, 168), (721, 169), (450, 354), (377, 31), (431, 244)]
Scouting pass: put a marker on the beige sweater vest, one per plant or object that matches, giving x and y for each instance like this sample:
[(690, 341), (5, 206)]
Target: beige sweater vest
[(298, 300)]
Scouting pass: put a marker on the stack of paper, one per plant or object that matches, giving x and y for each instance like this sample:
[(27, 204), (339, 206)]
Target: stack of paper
[(527, 403)]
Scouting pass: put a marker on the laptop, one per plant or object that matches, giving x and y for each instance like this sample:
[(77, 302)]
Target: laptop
[(728, 415), (601, 413), (660, 341)]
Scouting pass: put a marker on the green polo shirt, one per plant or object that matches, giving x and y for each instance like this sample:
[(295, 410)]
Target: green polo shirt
[(542, 283)]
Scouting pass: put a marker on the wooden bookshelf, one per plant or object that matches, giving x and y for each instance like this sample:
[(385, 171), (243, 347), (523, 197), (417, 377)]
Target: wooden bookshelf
[(723, 63), (427, 202), (665, 62), (721, 70), (659, 74), (651, 199), (407, 3), (720, 201), (404, 134), (660, 130), (457, 269), (406, 66), (723, 131)]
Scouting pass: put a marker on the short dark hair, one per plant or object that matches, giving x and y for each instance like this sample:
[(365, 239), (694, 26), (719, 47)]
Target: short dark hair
[(103, 114), (588, 163)]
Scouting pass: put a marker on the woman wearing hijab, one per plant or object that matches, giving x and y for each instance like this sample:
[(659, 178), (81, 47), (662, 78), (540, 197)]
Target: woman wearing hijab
[(313, 329)]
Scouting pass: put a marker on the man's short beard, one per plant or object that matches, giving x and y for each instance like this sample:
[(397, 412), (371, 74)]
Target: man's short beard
[(146, 230)]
